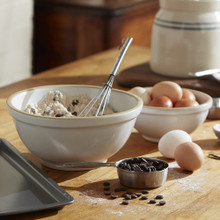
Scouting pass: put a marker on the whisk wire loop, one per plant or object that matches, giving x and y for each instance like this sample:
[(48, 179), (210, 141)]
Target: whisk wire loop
[(101, 100)]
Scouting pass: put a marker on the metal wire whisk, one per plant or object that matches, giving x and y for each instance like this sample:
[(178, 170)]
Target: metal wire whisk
[(102, 98)]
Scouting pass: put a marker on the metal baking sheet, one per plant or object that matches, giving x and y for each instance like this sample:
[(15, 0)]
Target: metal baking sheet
[(24, 187)]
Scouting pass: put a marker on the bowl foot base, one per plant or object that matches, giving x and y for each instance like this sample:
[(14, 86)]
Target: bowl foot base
[(155, 140)]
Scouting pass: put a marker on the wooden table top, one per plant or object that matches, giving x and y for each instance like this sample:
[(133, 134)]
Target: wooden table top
[(188, 195)]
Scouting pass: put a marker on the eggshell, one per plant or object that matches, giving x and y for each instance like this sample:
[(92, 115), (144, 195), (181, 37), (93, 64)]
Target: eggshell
[(142, 93), (169, 141), (187, 94), (189, 156), (186, 103), (169, 89), (146, 97), (161, 101), (137, 90)]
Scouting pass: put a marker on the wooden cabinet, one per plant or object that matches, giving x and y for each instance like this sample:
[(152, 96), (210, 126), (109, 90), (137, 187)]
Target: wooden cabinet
[(66, 30)]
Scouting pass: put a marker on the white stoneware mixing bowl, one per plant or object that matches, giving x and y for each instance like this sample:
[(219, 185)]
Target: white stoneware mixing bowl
[(61, 140), (154, 122)]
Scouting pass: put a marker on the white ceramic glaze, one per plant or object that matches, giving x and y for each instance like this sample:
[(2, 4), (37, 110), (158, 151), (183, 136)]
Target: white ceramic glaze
[(185, 37), (61, 140), (154, 122), (216, 129)]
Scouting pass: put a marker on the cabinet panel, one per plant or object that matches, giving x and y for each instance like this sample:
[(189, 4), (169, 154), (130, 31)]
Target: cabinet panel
[(68, 30)]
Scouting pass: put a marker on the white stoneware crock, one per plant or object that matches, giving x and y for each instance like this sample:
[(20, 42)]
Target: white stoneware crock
[(185, 37)]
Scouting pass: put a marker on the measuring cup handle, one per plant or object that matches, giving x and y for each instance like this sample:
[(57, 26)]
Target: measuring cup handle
[(86, 164)]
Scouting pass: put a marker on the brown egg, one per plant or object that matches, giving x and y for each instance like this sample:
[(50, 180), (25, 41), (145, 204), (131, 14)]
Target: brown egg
[(161, 101), (167, 88), (189, 156), (186, 103), (187, 94)]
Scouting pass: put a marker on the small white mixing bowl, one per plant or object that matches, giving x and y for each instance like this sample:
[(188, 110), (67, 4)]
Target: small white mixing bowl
[(154, 122), (60, 140)]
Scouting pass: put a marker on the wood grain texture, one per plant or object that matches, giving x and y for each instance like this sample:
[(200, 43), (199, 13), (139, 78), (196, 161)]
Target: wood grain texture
[(188, 195)]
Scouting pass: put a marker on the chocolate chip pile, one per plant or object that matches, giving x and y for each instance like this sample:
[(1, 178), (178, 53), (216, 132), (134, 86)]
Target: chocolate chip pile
[(130, 195), (141, 164)]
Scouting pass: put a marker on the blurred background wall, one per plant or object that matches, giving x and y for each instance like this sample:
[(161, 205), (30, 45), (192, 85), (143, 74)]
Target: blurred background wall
[(36, 35), (15, 40)]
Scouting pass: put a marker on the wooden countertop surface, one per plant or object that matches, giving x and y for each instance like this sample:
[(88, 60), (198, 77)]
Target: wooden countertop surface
[(188, 195)]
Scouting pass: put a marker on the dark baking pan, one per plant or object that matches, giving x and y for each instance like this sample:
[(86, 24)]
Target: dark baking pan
[(24, 187)]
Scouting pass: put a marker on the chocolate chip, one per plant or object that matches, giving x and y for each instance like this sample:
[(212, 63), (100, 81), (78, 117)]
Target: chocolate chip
[(127, 197), (74, 113), (128, 166), (144, 160), (107, 188), (133, 196), (124, 195), (145, 192), (138, 194), (159, 197), (75, 102), (152, 201), (129, 192), (56, 98), (33, 110), (107, 193), (160, 166), (125, 202), (136, 168), (144, 198), (59, 115), (162, 202)]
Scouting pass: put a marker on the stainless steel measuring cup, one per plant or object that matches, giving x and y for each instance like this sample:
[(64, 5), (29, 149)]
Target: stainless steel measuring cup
[(133, 179)]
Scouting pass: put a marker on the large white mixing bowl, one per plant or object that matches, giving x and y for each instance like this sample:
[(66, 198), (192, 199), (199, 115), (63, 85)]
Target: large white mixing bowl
[(60, 140)]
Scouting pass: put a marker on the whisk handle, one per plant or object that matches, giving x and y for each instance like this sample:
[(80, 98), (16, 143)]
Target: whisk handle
[(122, 52)]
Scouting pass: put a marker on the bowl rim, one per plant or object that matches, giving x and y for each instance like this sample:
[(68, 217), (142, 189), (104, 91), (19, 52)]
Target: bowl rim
[(139, 103), (180, 110)]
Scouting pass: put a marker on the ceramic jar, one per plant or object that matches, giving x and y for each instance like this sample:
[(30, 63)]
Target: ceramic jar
[(185, 37)]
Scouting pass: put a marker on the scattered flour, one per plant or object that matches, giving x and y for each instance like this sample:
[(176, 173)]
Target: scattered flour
[(189, 184), (187, 180), (115, 213)]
